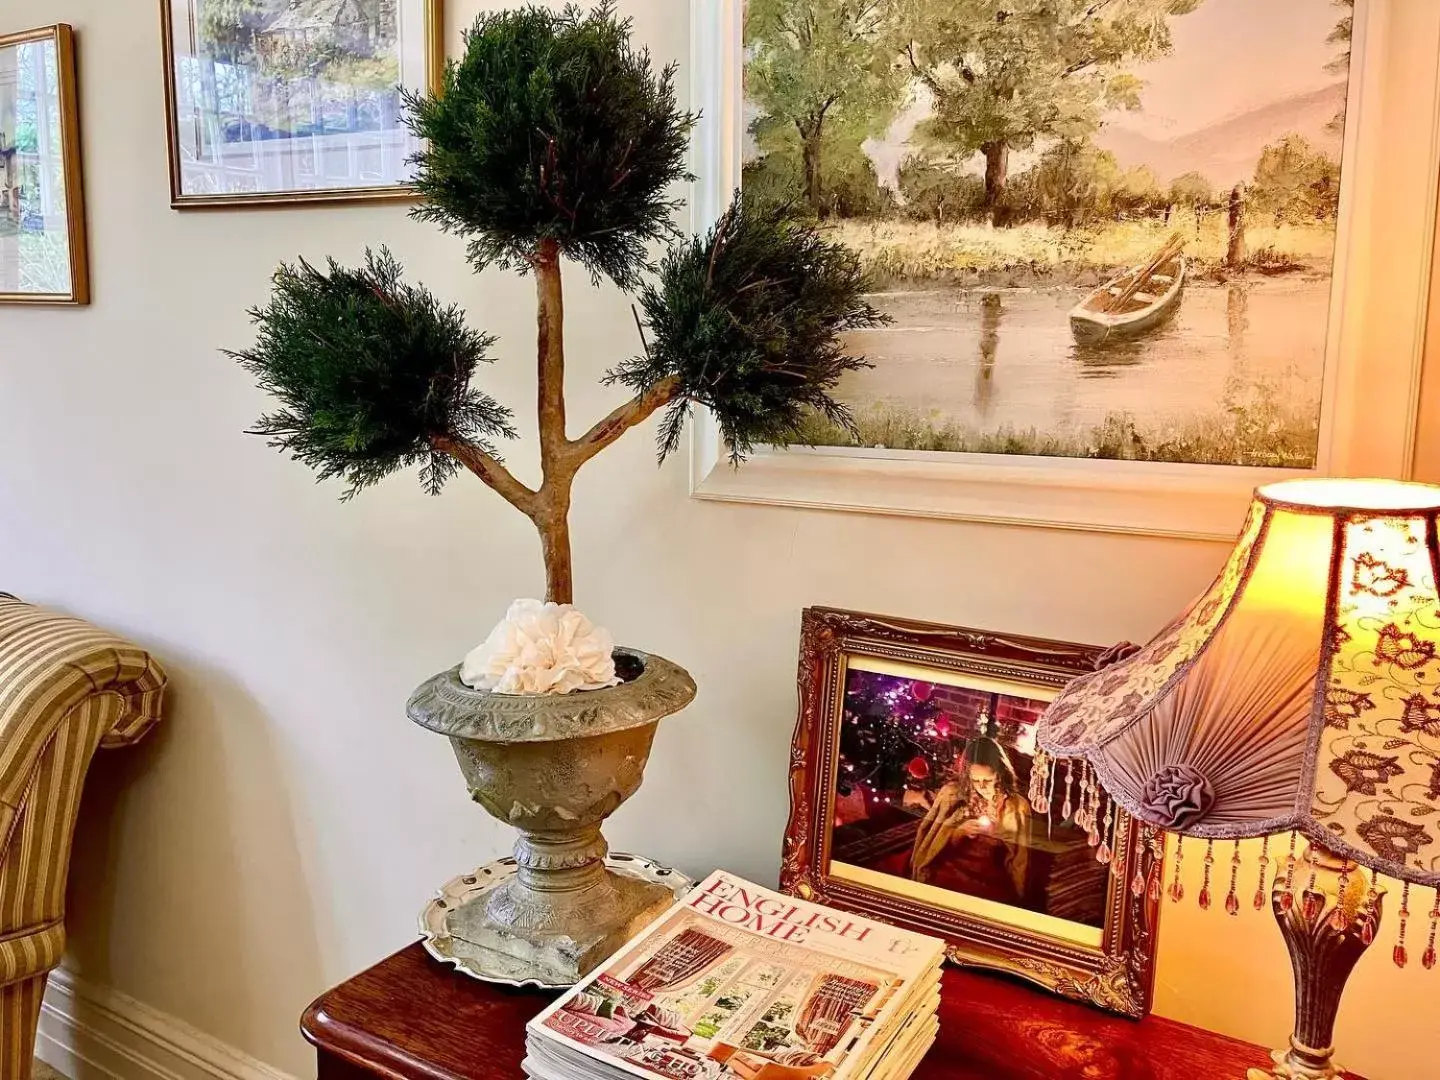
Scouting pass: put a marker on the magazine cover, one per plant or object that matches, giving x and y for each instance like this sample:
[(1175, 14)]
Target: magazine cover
[(736, 980)]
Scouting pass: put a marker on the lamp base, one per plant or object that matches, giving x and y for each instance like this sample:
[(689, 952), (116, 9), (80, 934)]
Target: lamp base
[(1327, 920), (1285, 1070)]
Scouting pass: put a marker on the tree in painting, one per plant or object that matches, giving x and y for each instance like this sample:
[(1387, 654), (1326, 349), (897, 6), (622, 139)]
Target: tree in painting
[(1072, 184), (932, 191), (1296, 183), (1192, 191), (1340, 36), (1003, 76), (821, 71), (227, 28)]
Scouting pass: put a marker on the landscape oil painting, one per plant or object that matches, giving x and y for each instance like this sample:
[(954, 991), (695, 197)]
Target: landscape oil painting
[(1102, 228), (284, 100)]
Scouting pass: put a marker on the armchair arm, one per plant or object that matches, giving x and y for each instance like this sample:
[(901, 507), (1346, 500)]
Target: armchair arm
[(51, 665)]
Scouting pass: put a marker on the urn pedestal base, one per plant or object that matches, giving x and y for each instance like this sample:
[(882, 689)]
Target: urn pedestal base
[(457, 915), (595, 921)]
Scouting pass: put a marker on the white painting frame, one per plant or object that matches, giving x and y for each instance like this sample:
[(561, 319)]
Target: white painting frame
[(1376, 338)]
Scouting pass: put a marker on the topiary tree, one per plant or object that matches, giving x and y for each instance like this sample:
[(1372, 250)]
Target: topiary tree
[(552, 138)]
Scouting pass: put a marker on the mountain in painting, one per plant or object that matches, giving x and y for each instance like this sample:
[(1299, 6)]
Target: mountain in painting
[(1226, 151)]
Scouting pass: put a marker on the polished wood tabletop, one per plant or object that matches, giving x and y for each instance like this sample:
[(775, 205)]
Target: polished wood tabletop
[(409, 1018)]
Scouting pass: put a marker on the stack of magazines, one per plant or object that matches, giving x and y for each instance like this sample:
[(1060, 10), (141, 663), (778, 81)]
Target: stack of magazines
[(738, 981)]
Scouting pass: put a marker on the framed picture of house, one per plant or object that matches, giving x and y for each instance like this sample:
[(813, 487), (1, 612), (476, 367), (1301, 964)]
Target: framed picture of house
[(1129, 249), (910, 802), (280, 101), (42, 203)]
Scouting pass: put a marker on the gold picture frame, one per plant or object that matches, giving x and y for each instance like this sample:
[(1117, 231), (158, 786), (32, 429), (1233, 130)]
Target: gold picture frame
[(839, 854), (19, 213), (433, 38)]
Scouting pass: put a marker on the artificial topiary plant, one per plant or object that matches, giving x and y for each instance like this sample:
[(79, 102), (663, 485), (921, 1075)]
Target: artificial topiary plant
[(552, 138)]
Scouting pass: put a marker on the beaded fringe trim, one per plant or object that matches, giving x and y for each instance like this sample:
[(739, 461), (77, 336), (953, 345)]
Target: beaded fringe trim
[(1292, 879)]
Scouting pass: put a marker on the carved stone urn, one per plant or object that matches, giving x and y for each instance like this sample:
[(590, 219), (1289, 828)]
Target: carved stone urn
[(555, 766)]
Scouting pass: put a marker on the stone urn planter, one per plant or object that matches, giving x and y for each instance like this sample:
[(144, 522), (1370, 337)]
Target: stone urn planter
[(555, 766)]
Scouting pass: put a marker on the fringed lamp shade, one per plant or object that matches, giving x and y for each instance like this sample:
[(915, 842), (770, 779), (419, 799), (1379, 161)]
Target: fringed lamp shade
[(1300, 693)]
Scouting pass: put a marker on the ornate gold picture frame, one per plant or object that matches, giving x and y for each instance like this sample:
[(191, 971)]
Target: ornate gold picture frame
[(294, 101), (42, 198), (908, 774)]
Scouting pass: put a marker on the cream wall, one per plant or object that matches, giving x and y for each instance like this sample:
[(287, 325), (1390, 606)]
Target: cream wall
[(282, 829), (1427, 431)]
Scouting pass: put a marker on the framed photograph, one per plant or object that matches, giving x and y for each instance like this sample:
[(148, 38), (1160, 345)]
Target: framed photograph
[(1125, 284), (281, 101), (42, 204), (908, 792)]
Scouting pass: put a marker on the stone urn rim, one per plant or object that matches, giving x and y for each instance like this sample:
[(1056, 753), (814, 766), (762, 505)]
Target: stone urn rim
[(445, 705)]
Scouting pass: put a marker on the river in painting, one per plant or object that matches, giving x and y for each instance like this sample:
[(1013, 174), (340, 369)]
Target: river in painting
[(1000, 371)]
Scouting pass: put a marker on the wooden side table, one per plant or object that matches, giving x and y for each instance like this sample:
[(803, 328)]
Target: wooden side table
[(409, 1018)]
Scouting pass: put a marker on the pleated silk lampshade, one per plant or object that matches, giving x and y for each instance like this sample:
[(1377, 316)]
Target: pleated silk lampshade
[(1301, 691)]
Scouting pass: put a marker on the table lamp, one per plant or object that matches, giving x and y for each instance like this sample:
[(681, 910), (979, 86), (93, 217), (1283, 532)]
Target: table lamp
[(1299, 695)]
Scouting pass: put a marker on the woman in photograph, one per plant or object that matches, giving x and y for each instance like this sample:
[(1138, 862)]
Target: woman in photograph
[(975, 837)]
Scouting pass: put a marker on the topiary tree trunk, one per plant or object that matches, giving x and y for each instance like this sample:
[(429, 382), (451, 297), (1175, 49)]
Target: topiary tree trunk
[(560, 456)]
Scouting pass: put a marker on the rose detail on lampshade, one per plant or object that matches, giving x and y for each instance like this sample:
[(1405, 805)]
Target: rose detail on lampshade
[(541, 648), (1177, 797)]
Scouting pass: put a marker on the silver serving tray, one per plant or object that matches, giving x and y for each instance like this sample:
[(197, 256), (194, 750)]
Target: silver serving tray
[(489, 966)]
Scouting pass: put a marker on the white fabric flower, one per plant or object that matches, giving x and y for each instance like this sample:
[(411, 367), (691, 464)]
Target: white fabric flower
[(542, 648)]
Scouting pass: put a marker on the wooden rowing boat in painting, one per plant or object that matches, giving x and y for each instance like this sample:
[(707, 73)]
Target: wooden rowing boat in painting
[(1117, 310)]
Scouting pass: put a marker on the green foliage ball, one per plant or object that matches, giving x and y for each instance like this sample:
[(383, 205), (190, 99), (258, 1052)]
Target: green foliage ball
[(746, 319), (552, 127), (368, 370)]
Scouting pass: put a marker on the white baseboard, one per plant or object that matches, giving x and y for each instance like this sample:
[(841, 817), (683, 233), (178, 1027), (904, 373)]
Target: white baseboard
[(91, 1032)]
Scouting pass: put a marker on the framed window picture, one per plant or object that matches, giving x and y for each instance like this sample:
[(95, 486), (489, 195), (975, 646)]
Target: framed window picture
[(278, 101), (1130, 250), (909, 777), (42, 203)]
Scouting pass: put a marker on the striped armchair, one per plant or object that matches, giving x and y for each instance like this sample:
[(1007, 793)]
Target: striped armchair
[(66, 688)]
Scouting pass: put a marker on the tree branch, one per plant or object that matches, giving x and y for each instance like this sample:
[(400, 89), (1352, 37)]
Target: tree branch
[(484, 466), (1093, 10), (622, 419), (920, 73), (1090, 13), (857, 23)]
